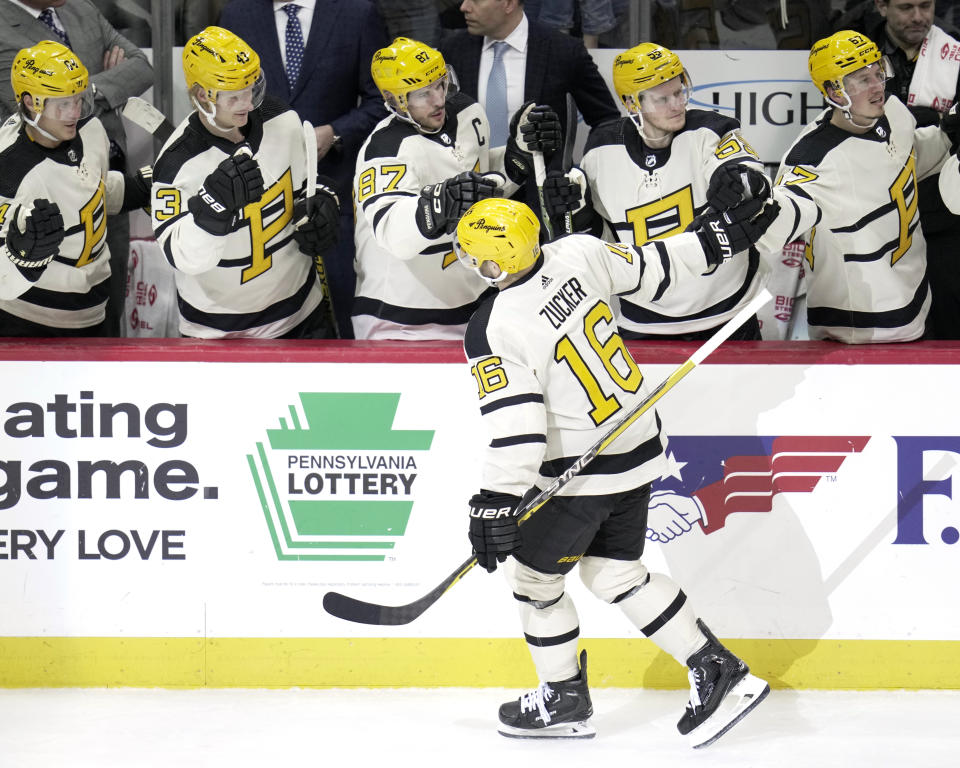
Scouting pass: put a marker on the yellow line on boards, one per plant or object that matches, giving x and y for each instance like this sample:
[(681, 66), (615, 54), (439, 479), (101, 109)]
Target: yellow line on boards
[(53, 662)]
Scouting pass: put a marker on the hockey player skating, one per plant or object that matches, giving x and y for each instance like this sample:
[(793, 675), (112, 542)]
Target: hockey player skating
[(417, 173), (646, 177), (56, 190), (552, 374), (848, 185), (229, 208)]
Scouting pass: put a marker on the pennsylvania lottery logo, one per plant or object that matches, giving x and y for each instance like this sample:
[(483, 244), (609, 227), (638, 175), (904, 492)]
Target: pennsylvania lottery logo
[(336, 481)]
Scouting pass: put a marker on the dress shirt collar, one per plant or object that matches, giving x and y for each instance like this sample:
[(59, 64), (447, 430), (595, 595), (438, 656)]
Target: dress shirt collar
[(516, 39)]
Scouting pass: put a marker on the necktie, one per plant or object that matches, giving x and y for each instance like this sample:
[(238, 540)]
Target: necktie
[(497, 97), (46, 16), (294, 44)]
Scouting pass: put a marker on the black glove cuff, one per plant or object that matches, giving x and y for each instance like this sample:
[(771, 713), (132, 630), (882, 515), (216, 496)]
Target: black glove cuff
[(209, 221)]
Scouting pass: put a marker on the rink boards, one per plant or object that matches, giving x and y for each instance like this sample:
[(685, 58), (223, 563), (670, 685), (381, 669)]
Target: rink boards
[(173, 513)]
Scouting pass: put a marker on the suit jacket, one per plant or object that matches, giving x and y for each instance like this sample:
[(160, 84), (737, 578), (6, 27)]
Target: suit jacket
[(90, 36), (557, 64), (344, 34)]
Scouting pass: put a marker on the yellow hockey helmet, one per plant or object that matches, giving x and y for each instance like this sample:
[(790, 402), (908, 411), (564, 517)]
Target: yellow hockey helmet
[(500, 230), (217, 60), (405, 66), (837, 56), (643, 67), (47, 70)]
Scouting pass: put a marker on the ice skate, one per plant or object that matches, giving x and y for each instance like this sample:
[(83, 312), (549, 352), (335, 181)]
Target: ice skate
[(553, 711), (722, 692)]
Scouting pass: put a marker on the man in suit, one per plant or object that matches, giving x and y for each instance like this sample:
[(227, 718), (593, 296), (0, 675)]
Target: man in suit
[(117, 68), (540, 64), (325, 77)]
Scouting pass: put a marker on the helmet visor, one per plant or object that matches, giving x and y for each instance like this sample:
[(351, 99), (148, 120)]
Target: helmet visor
[(667, 97), (480, 267), (438, 91), (867, 78), (250, 97), (69, 109)]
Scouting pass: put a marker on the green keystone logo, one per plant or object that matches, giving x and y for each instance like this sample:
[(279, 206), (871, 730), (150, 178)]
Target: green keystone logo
[(341, 487)]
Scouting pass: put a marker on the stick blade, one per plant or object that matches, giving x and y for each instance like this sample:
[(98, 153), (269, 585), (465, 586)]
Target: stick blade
[(360, 612)]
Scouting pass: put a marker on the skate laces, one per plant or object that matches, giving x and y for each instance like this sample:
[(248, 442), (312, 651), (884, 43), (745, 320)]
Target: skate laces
[(697, 677), (537, 699)]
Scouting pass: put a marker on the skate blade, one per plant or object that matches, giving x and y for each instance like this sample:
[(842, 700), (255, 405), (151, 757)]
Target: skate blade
[(579, 730), (736, 705)]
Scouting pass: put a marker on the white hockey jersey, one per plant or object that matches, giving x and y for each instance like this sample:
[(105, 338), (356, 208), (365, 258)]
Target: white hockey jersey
[(253, 281), (554, 376), (72, 291), (410, 287), (853, 197), (648, 194)]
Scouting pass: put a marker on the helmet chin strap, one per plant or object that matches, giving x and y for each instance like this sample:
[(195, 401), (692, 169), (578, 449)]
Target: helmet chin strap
[(35, 124), (210, 118), (407, 119), (845, 111), (637, 119)]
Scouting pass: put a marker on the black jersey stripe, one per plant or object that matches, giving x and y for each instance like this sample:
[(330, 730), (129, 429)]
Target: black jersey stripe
[(246, 261), (93, 256), (665, 264), (527, 439), (883, 250), (395, 193), (71, 302), (608, 463), (226, 322), (875, 214), (638, 314), (380, 214), (162, 226), (846, 318), (507, 402), (414, 315)]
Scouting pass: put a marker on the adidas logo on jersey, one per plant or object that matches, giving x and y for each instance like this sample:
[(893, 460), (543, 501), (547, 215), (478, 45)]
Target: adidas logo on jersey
[(545, 281)]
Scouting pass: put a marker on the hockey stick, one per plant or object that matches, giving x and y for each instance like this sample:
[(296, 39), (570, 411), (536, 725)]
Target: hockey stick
[(141, 112), (540, 172), (361, 612), (569, 139), (310, 139)]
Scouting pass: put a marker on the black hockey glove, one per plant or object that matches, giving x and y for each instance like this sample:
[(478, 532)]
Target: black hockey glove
[(494, 532), (536, 128), (136, 190), (441, 205), (533, 128), (317, 232), (32, 248), (233, 184), (564, 192), (724, 234), (950, 125), (735, 182)]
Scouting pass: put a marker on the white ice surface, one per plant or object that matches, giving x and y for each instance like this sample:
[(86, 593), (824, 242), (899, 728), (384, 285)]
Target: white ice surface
[(138, 728)]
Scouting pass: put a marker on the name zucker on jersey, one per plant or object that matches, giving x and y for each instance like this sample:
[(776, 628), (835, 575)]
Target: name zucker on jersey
[(563, 302)]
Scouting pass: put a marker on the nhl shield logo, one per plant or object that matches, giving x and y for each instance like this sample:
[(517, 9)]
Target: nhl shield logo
[(650, 161), (880, 132), (445, 138), (72, 155)]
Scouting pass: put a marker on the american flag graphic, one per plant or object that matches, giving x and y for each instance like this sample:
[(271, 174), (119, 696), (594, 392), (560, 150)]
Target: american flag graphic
[(730, 474)]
